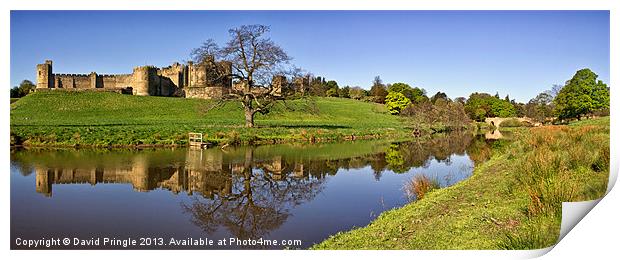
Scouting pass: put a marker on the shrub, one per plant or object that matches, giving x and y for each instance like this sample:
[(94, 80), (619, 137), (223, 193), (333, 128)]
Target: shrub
[(233, 137), (420, 185), (512, 122), (396, 102)]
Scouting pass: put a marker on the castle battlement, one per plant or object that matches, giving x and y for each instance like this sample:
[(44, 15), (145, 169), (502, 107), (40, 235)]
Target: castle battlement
[(113, 75), (70, 75), (183, 80)]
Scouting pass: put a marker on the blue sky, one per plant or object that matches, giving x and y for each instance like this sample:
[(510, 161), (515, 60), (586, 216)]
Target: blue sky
[(519, 53)]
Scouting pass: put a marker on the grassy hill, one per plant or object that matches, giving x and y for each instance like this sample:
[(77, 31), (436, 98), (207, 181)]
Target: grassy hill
[(103, 119)]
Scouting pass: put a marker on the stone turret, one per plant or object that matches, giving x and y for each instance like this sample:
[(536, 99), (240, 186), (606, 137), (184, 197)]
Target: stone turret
[(142, 83), (226, 68), (45, 77), (301, 84), (278, 83), (93, 79), (140, 174), (44, 181)]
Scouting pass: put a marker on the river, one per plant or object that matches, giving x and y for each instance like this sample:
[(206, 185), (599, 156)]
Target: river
[(298, 193)]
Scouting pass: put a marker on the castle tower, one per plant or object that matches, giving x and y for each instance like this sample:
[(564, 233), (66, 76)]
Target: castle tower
[(226, 67), (44, 181), (278, 82), (139, 175), (93, 79), (301, 84), (141, 79), (198, 75), (45, 77)]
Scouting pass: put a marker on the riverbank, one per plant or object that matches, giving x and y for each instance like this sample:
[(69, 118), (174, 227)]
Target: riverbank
[(512, 201), (115, 120)]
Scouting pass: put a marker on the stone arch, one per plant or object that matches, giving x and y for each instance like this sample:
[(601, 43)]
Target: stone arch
[(496, 121)]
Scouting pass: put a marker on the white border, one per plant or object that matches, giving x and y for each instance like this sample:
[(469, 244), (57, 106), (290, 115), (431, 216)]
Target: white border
[(594, 236)]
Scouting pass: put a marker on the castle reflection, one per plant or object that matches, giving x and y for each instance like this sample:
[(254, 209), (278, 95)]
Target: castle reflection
[(206, 172), (247, 191), (213, 172)]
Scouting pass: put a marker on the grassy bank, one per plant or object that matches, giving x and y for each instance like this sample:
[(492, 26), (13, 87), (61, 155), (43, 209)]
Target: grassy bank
[(104, 119), (512, 201)]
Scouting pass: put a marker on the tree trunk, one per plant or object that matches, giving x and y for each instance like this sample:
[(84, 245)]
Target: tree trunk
[(248, 110), (249, 117)]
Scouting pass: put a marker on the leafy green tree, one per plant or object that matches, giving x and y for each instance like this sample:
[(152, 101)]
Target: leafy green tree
[(332, 84), (332, 92), (332, 88), (24, 88), (416, 95), (316, 87), (439, 95), (479, 114), (344, 92), (540, 107), (402, 88), (600, 95), (15, 92), (479, 106), (582, 95), (396, 102), (502, 108), (519, 107), (378, 91), (357, 93)]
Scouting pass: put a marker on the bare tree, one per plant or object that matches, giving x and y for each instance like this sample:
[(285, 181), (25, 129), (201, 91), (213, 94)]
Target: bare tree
[(553, 92), (256, 60), (258, 203)]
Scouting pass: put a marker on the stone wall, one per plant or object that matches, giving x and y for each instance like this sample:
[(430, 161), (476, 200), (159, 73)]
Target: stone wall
[(205, 80), (114, 81), (199, 80), (81, 81), (206, 92)]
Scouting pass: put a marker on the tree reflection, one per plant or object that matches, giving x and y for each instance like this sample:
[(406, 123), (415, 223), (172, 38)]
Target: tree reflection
[(401, 157), (260, 200), (245, 191)]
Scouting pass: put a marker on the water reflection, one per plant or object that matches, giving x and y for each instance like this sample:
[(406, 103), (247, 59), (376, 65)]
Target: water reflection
[(257, 201), (245, 192), (493, 134)]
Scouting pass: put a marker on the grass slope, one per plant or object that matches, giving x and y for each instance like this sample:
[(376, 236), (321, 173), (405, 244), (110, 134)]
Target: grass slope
[(512, 201), (101, 119)]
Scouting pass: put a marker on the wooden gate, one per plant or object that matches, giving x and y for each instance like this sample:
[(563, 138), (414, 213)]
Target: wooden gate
[(195, 139)]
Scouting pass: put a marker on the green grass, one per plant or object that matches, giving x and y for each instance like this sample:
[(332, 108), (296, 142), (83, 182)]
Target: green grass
[(512, 201), (107, 119)]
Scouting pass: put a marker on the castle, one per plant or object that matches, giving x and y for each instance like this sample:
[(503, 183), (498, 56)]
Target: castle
[(191, 80), (208, 172)]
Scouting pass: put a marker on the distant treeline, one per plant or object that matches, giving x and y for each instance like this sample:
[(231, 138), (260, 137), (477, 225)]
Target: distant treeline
[(582, 95)]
